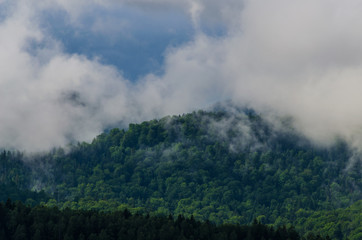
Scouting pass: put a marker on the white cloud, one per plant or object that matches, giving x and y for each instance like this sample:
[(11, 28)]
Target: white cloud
[(298, 58), (301, 58), (48, 97)]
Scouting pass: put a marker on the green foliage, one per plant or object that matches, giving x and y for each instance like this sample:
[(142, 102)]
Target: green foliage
[(220, 166), (15, 179), (18, 221), (337, 223)]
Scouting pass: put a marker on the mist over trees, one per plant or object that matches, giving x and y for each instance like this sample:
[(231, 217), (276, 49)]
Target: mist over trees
[(221, 166)]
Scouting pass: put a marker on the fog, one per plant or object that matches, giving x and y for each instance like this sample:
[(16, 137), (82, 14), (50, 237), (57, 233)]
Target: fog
[(300, 59)]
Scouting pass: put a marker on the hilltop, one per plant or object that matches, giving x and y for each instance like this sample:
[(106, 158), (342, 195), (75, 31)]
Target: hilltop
[(224, 166)]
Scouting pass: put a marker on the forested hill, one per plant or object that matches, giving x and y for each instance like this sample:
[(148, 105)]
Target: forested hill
[(225, 166)]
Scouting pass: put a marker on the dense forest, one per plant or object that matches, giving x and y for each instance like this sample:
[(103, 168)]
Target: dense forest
[(18, 221), (221, 166)]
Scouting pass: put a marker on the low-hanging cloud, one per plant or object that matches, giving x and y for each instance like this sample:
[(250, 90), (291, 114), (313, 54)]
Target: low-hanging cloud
[(297, 58)]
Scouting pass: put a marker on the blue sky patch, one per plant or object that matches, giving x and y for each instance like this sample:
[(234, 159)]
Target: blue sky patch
[(132, 40)]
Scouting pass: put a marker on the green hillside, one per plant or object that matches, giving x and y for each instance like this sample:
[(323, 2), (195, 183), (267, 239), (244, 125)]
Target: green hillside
[(224, 166)]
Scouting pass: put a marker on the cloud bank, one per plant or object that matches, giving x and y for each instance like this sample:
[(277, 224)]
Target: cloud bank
[(295, 58)]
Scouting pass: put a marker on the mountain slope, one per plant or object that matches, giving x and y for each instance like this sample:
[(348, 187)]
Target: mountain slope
[(225, 166)]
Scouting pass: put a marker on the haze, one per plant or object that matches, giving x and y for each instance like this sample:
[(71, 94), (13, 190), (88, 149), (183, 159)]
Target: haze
[(70, 69)]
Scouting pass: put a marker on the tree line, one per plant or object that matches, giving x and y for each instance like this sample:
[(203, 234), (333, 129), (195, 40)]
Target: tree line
[(18, 221)]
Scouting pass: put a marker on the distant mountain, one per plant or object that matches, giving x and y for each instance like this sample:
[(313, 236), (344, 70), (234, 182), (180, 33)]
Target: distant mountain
[(225, 166)]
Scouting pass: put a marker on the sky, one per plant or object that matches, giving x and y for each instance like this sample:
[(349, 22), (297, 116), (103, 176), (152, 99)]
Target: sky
[(71, 69)]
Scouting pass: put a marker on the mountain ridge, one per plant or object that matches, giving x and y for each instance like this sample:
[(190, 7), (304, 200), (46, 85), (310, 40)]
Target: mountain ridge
[(225, 166)]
